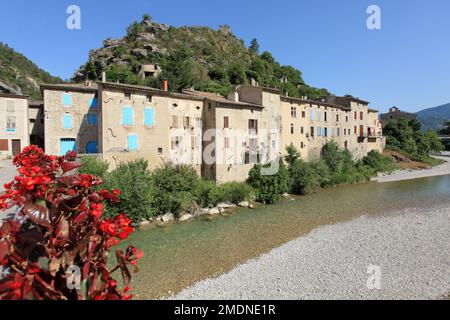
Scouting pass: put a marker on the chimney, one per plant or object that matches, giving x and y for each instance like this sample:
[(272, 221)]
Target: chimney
[(103, 76), (165, 85), (253, 81), (234, 96)]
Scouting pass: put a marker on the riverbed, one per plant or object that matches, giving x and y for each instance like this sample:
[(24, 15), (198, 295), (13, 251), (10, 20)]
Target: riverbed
[(179, 255)]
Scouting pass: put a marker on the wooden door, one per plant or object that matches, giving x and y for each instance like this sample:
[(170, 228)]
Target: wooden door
[(16, 147)]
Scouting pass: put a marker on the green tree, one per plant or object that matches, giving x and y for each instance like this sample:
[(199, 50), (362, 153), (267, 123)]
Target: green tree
[(254, 46), (269, 189)]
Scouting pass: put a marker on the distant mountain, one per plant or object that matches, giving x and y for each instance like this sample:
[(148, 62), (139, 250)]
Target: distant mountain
[(433, 118), (19, 75), (192, 56)]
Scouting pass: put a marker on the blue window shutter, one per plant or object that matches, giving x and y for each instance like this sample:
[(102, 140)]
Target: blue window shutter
[(132, 142), (93, 102), (92, 119), (67, 121), (127, 116), (149, 117), (67, 99), (311, 115)]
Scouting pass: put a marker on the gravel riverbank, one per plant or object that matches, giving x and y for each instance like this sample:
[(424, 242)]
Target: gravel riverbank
[(400, 175), (410, 247)]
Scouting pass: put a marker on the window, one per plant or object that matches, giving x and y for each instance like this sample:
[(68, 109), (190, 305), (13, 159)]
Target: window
[(319, 131), (293, 112), (67, 100), (312, 132), (226, 122), (66, 145), (303, 114), (148, 98), (149, 117), (333, 132), (302, 145), (361, 116), (127, 116), (227, 143), (356, 129), (345, 132), (10, 106), (132, 142), (127, 96), (361, 131), (160, 151), (253, 144), (93, 103), (325, 116), (175, 142), (318, 116), (337, 118), (311, 115), (302, 130), (175, 122), (292, 128), (356, 115), (346, 118), (67, 121), (325, 132), (92, 119), (338, 132), (186, 122), (10, 124), (253, 126)]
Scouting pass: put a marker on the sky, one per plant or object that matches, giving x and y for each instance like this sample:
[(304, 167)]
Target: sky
[(406, 63)]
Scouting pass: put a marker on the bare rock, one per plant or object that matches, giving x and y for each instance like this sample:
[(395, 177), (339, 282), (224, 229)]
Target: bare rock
[(185, 217), (244, 204), (213, 211), (168, 217)]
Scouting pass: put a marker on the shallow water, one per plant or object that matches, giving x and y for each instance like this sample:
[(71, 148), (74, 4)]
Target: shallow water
[(180, 254)]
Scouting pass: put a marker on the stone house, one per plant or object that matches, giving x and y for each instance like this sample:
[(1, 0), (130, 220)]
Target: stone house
[(71, 116), (396, 113), (13, 124)]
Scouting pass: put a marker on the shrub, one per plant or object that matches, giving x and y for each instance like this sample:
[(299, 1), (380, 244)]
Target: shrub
[(323, 172), (269, 189), (59, 230), (203, 192), (304, 178), (378, 162), (333, 156), (235, 192), (133, 179), (93, 165), (166, 184)]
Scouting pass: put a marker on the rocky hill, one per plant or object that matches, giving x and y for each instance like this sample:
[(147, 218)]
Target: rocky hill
[(210, 60), (19, 75)]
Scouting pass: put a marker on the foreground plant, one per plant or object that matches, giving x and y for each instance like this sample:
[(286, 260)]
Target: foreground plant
[(57, 246)]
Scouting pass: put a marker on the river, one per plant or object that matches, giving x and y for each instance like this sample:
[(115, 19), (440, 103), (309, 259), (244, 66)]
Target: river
[(180, 254)]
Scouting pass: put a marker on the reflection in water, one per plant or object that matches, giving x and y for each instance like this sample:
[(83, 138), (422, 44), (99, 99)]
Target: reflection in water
[(179, 255)]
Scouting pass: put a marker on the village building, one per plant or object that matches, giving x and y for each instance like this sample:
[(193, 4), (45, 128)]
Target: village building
[(13, 124), (71, 118), (222, 138), (395, 113)]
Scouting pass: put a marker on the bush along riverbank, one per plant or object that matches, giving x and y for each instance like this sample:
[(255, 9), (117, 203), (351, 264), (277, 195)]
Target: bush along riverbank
[(334, 167), (165, 194), (171, 193)]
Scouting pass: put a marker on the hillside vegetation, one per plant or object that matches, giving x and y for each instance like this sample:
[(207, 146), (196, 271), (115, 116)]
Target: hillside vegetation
[(19, 75), (210, 60), (434, 118)]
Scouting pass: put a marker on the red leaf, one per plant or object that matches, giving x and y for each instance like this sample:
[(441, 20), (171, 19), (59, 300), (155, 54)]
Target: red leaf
[(126, 276), (69, 166), (4, 249), (37, 213)]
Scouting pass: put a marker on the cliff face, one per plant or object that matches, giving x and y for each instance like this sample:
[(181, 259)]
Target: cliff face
[(19, 75), (210, 60)]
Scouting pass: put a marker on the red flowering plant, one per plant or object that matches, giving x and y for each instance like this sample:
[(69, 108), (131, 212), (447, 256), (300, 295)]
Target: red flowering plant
[(57, 246)]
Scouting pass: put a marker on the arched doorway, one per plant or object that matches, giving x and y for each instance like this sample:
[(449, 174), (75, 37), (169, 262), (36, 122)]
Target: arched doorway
[(91, 147)]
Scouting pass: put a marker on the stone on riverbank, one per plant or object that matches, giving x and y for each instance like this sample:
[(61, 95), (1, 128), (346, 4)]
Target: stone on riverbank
[(168, 217), (244, 204), (213, 211), (185, 217)]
